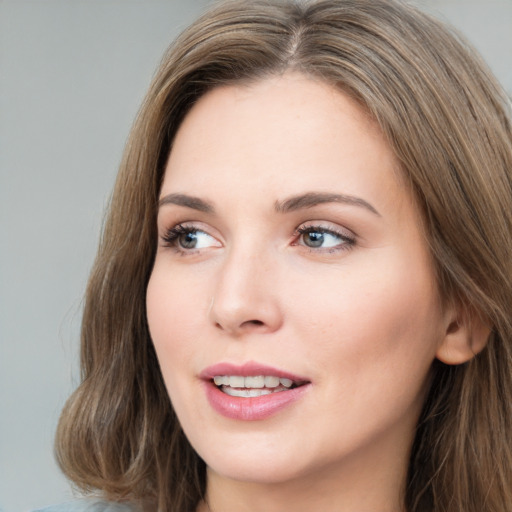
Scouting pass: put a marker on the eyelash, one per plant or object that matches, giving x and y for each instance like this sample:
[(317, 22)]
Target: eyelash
[(171, 238), (347, 241), (172, 234)]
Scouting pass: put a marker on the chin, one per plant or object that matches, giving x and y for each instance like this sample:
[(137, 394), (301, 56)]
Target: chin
[(264, 472), (238, 460)]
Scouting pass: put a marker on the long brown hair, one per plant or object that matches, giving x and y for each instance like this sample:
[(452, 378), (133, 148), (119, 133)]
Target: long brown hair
[(448, 122)]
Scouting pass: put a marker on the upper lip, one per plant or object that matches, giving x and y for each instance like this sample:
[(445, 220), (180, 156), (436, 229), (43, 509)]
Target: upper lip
[(248, 369)]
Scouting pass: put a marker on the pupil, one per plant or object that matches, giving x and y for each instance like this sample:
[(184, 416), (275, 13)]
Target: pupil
[(314, 239), (188, 240)]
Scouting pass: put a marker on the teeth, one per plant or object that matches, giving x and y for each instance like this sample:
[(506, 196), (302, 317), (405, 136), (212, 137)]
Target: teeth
[(287, 383), (221, 380), (271, 382), (251, 382), (254, 382), (246, 393), (236, 382)]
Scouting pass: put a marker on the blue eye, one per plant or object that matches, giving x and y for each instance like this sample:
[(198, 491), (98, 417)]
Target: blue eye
[(316, 237), (188, 238)]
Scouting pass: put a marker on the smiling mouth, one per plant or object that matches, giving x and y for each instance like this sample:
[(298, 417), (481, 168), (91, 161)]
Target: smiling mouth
[(254, 386)]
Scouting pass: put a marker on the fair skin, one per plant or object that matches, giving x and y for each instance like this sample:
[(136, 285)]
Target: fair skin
[(296, 246)]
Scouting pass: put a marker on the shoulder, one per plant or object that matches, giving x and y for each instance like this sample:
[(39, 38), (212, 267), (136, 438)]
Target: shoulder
[(89, 505)]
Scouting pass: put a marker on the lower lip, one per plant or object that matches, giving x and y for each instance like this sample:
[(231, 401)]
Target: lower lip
[(252, 408)]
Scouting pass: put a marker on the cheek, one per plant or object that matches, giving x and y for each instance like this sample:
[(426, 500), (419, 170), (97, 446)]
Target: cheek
[(372, 341), (174, 311), (373, 324)]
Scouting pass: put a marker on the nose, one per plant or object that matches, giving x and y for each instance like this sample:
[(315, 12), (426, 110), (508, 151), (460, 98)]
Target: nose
[(246, 295)]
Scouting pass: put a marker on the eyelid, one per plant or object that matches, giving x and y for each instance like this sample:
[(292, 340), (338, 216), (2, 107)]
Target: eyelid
[(348, 237), (192, 225), (328, 227), (170, 235)]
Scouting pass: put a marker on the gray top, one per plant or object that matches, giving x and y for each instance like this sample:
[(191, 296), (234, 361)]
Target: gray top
[(88, 505)]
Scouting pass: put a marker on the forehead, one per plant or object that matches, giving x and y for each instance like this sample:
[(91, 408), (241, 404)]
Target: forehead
[(286, 133)]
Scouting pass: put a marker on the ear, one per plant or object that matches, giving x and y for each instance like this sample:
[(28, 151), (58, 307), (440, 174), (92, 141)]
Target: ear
[(466, 334)]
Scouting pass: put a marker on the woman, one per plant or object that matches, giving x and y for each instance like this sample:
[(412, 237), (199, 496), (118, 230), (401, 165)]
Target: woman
[(308, 255)]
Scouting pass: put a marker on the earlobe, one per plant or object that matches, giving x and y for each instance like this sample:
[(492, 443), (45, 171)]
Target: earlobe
[(465, 336)]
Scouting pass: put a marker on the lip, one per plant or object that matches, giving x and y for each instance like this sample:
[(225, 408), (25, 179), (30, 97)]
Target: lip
[(248, 369), (253, 408)]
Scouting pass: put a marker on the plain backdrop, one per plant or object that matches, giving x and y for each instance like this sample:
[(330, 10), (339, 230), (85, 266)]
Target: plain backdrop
[(72, 75)]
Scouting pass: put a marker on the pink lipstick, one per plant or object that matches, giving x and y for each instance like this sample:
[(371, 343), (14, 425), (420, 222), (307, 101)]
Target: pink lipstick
[(251, 391)]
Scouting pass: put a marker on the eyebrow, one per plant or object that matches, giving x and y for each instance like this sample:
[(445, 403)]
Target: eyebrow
[(311, 199), (299, 202), (195, 203)]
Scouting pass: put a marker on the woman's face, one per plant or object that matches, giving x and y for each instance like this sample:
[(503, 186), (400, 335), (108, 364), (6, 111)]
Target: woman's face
[(292, 304)]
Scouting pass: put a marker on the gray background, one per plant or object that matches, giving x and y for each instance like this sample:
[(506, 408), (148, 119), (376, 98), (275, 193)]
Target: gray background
[(72, 75)]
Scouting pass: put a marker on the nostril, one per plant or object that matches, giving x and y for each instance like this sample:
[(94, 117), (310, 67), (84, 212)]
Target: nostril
[(254, 322), (244, 325)]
